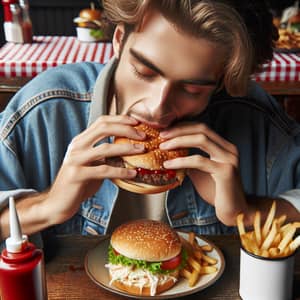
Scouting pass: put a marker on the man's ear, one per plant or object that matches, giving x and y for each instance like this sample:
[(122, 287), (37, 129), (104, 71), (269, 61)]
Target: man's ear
[(118, 39)]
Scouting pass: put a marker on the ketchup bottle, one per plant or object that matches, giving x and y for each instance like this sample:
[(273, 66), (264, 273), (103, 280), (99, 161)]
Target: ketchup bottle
[(22, 273), (26, 21)]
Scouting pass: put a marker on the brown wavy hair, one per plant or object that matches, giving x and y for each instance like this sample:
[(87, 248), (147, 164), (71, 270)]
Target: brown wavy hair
[(239, 28)]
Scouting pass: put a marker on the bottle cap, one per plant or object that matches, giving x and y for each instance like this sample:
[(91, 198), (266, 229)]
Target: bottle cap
[(16, 242)]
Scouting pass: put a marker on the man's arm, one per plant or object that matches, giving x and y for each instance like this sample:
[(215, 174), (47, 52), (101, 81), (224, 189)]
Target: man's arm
[(34, 214), (217, 177), (80, 175)]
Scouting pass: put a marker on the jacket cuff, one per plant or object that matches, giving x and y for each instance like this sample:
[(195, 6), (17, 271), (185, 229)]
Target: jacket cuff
[(293, 197)]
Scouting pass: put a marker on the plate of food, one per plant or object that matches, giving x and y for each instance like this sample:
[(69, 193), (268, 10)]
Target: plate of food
[(146, 259), (288, 42)]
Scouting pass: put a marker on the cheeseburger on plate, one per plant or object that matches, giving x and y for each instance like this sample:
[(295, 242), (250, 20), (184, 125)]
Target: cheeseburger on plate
[(145, 257), (151, 177)]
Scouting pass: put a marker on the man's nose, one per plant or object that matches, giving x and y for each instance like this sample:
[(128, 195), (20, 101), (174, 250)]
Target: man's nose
[(160, 103)]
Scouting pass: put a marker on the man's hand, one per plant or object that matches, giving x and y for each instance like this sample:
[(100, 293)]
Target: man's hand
[(216, 177), (80, 176), (84, 166)]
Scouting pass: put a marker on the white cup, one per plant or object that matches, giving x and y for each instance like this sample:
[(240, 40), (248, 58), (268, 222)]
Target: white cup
[(266, 278)]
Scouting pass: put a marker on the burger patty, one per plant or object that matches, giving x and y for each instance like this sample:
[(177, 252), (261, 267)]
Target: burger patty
[(144, 176)]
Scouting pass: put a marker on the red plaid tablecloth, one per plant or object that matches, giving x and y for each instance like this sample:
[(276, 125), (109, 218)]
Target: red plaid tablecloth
[(27, 60), (284, 67)]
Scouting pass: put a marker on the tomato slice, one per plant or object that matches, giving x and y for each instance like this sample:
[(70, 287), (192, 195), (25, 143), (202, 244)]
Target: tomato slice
[(116, 252), (172, 263)]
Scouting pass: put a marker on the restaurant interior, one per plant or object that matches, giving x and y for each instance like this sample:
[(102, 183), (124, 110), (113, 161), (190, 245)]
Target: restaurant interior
[(55, 36), (55, 18)]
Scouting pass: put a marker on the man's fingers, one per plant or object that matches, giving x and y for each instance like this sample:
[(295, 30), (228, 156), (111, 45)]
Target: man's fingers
[(102, 151), (194, 130), (192, 162), (104, 172), (89, 138), (204, 143)]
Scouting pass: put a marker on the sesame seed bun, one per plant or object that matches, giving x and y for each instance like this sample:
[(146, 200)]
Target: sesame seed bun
[(152, 159), (146, 240)]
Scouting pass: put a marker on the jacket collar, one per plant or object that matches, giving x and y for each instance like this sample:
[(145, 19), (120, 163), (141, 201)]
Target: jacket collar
[(100, 92)]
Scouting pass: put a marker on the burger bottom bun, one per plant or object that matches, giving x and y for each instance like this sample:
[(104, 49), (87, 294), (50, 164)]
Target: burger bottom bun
[(145, 290), (143, 188)]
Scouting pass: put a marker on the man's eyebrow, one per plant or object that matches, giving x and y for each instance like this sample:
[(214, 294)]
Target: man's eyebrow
[(145, 61), (150, 65), (199, 81)]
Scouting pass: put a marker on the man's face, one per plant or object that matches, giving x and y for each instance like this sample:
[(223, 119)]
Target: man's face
[(163, 74)]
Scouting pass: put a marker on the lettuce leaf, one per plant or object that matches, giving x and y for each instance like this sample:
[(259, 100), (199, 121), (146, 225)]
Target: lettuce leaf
[(153, 267)]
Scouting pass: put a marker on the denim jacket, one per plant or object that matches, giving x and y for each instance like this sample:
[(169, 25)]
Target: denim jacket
[(42, 118)]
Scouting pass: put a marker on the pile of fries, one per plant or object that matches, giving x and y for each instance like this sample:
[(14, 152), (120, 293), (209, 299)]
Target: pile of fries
[(199, 262), (274, 239), (288, 39)]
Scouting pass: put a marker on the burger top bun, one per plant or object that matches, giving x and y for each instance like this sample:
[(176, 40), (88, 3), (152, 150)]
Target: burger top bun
[(146, 240), (90, 14), (153, 157)]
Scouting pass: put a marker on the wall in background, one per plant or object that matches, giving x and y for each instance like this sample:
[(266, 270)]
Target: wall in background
[(52, 17)]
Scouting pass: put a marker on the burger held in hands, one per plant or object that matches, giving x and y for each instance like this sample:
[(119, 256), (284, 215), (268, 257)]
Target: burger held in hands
[(145, 257), (151, 176)]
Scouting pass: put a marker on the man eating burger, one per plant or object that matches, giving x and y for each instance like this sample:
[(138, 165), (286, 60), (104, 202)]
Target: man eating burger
[(183, 68)]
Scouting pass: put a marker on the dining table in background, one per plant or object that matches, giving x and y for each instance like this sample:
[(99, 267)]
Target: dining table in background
[(20, 62), (67, 279)]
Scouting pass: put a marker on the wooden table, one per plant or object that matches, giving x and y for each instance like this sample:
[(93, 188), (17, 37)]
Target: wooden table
[(67, 279)]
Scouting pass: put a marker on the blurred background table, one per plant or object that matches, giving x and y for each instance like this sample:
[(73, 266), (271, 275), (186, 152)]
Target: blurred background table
[(67, 279), (20, 62)]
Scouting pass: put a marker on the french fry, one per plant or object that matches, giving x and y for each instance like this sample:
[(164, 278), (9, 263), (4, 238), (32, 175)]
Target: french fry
[(274, 252), (265, 253), (191, 238), (250, 245), (208, 270), (296, 225), (240, 224), (274, 239), (185, 273), (210, 260), (269, 220), (287, 238), (207, 248), (281, 220), (286, 252), (198, 254), (277, 240), (194, 277), (285, 228), (295, 243), (270, 237), (198, 262), (194, 264), (257, 230)]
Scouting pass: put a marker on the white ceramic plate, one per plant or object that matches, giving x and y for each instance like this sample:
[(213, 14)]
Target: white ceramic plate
[(96, 258)]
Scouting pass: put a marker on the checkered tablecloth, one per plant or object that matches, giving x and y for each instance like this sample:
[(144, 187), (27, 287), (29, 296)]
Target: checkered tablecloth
[(27, 60), (285, 67)]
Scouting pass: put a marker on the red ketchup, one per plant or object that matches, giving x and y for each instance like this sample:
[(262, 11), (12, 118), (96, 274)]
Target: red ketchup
[(22, 275), (6, 9), (170, 173)]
